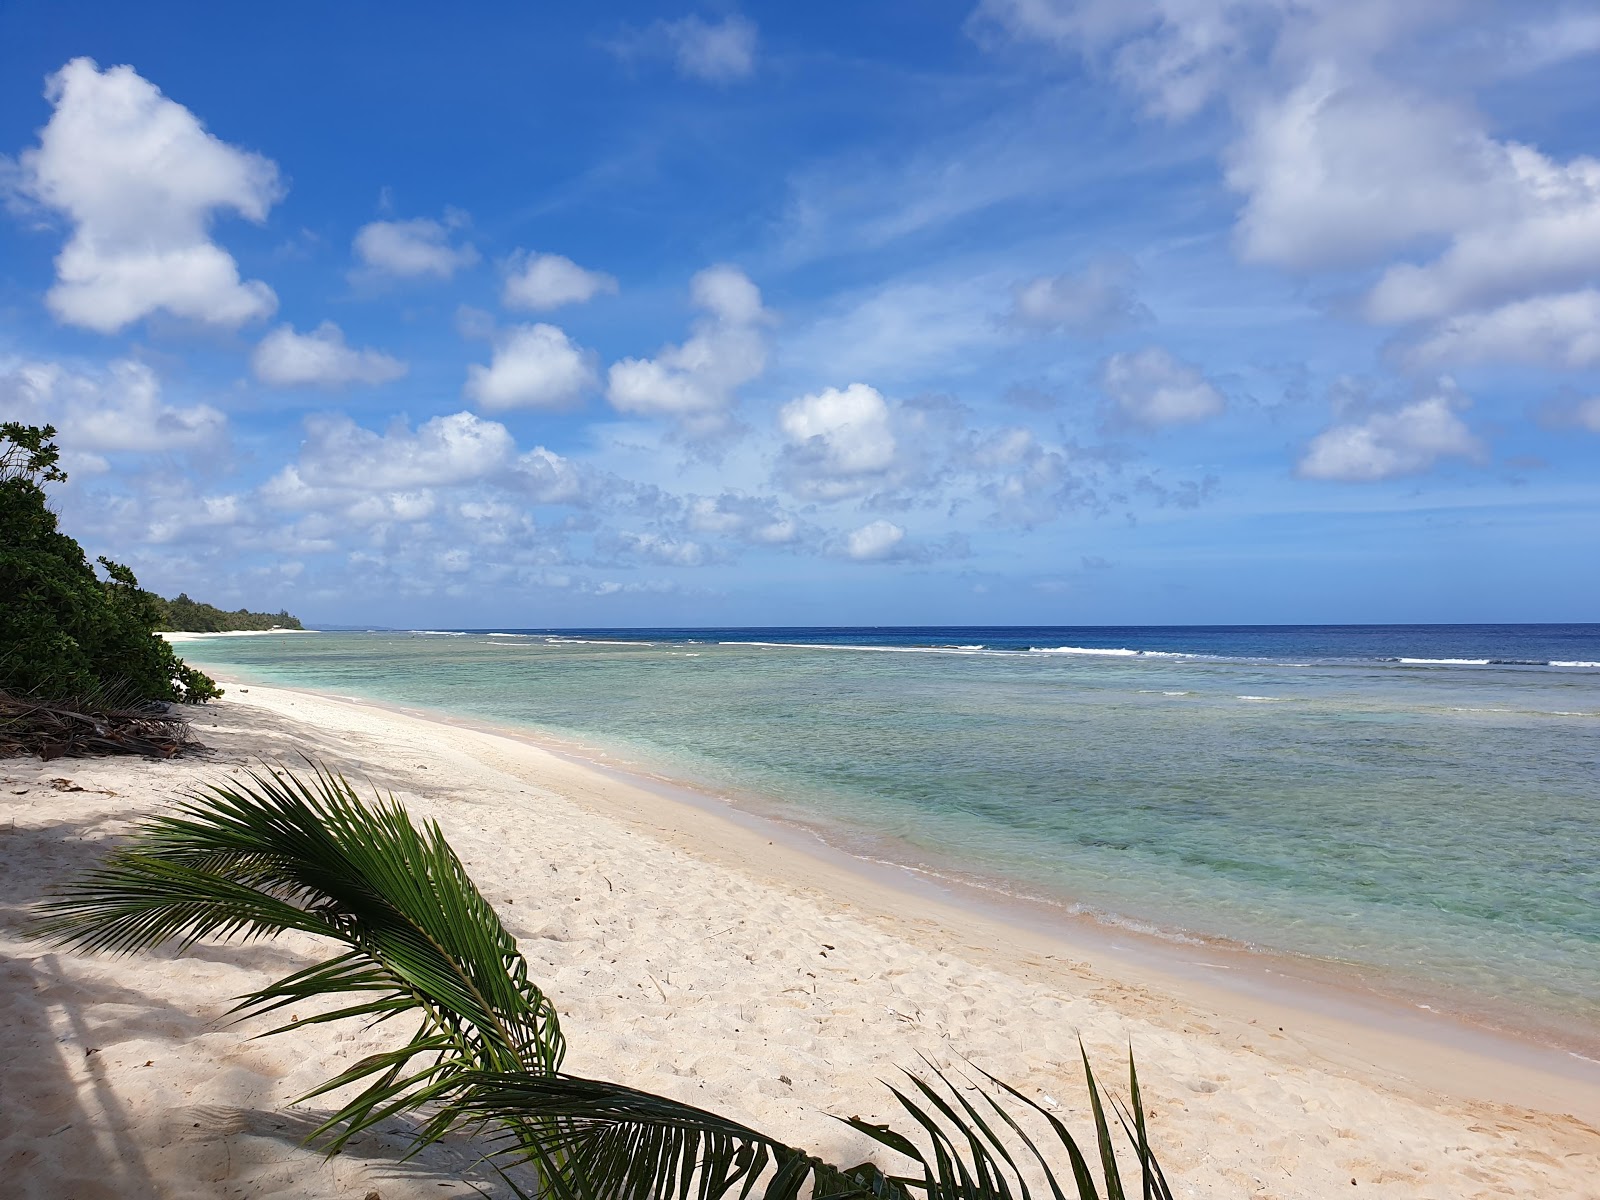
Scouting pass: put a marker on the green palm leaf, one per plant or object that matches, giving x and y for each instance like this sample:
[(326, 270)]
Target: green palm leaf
[(594, 1140), (278, 852)]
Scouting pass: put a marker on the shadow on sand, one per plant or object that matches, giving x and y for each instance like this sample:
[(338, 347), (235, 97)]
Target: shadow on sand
[(67, 1129)]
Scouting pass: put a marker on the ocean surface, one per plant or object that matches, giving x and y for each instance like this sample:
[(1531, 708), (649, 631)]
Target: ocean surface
[(1416, 808)]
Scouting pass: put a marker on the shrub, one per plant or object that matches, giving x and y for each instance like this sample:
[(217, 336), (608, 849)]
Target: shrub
[(64, 631)]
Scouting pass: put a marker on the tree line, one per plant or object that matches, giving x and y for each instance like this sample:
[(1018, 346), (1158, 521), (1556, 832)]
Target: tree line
[(183, 615)]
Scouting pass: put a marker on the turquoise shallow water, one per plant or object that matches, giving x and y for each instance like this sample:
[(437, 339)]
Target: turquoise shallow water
[(1431, 827)]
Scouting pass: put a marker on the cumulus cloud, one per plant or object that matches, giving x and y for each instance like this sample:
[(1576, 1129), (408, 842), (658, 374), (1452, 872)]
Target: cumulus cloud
[(1338, 173), (534, 366), (445, 450), (1545, 235), (753, 519), (118, 410), (1094, 301), (288, 359), (695, 382), (542, 282), (1341, 161), (1560, 330), (874, 542), (1384, 445), (141, 180), (547, 477), (658, 548), (711, 51), (1026, 481), (838, 440), (419, 248), (1152, 388), (1342, 172)]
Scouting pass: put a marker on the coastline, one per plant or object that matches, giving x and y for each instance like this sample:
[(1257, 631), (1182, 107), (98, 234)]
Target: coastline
[(1368, 1027), (1355, 997), (709, 921)]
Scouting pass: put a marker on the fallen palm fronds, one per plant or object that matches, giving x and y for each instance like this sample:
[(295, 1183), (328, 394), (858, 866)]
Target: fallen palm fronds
[(107, 724)]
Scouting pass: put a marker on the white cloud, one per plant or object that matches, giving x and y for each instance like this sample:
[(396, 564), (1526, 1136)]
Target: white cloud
[(750, 519), (119, 410), (1152, 388), (1175, 54), (1337, 173), (1028, 482), (695, 382), (184, 514), (413, 249), (534, 366), (1384, 445), (141, 181), (713, 51), (1544, 234), (547, 477), (875, 541), (1096, 300), (1560, 331), (1342, 172), (841, 434), (542, 282), (287, 359), (1357, 142), (445, 450), (672, 552), (728, 294)]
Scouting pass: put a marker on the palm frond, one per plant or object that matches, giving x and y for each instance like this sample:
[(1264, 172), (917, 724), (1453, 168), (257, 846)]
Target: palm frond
[(278, 852), (592, 1140)]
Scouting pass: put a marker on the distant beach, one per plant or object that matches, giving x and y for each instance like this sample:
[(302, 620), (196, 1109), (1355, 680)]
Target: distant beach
[(181, 636)]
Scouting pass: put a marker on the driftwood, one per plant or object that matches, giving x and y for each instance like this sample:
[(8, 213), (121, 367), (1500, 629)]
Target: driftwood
[(105, 725)]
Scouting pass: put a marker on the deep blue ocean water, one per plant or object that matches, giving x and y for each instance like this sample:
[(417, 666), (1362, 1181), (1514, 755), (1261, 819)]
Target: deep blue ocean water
[(1417, 807)]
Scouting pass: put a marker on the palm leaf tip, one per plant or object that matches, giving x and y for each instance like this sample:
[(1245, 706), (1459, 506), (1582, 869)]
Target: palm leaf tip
[(619, 1142)]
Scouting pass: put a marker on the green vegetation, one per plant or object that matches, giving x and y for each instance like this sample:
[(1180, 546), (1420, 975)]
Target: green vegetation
[(184, 615), (66, 633), (415, 938)]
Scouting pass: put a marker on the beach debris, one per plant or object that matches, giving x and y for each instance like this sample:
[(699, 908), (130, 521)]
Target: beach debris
[(109, 724)]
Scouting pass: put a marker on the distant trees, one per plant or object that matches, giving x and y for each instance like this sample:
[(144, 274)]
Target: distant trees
[(190, 616), (66, 633)]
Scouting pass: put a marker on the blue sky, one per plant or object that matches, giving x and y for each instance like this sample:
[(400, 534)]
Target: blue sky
[(1004, 311)]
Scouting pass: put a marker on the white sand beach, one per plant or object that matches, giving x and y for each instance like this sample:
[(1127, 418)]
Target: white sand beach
[(712, 959)]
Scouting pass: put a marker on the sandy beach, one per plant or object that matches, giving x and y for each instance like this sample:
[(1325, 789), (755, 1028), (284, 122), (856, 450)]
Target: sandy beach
[(709, 958)]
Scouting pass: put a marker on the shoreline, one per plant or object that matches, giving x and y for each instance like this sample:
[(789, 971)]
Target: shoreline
[(1361, 1025), (694, 952), (1310, 985)]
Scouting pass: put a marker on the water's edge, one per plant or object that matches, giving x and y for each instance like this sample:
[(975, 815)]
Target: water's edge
[(1345, 992)]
